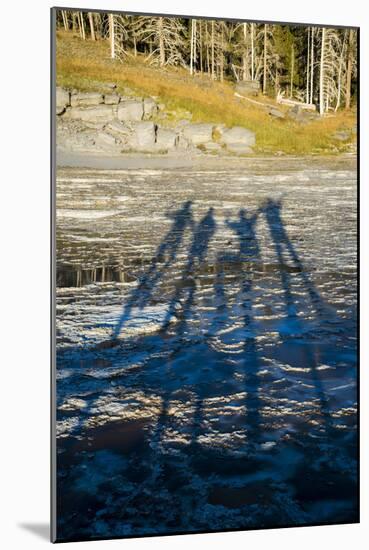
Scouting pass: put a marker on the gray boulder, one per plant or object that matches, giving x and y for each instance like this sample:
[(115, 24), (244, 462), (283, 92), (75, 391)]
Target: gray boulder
[(248, 87), (98, 113), (300, 114), (130, 109), (238, 136), (143, 137), (165, 139), (276, 113), (150, 108), (105, 141), (198, 134), (89, 98), (341, 135), (77, 141), (111, 99), (62, 100), (118, 129)]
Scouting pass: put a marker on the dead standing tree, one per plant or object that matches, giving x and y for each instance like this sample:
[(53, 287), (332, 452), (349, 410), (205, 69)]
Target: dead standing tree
[(329, 68), (166, 38), (91, 23), (350, 65)]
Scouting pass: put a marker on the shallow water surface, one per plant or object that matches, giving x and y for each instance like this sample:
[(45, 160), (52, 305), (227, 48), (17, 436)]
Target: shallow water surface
[(206, 348)]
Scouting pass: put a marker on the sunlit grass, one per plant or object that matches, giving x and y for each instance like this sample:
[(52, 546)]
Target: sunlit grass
[(86, 65)]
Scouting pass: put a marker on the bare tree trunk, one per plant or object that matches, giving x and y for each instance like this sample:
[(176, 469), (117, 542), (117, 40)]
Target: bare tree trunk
[(207, 48), (312, 66), (339, 84), (245, 67), (91, 22), (79, 23), (200, 44), (65, 20), (252, 53), (194, 45), (221, 67), (292, 68), (276, 84), (74, 21), (97, 26), (212, 51), (349, 69), (161, 42), (265, 60), (82, 26), (111, 36), (326, 100), (308, 68), (321, 75), (191, 49)]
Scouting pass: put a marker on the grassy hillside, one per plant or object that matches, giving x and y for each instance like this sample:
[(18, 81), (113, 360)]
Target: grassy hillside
[(86, 65)]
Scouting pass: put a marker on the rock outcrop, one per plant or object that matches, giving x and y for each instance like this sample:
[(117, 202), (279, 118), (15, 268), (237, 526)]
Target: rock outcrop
[(248, 87), (93, 113), (276, 113), (143, 136), (165, 139), (238, 140), (300, 114), (108, 123), (198, 134), (130, 109), (150, 108), (82, 99), (62, 100)]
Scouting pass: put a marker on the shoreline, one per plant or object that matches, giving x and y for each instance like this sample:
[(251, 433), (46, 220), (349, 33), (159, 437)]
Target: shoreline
[(135, 161)]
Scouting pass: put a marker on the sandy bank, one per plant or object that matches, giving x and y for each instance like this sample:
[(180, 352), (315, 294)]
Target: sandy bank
[(137, 161)]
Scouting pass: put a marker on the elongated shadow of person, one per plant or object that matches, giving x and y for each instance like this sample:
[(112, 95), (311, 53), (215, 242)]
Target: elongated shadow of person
[(181, 304), (285, 251), (182, 300), (164, 257), (181, 307), (272, 210), (248, 256)]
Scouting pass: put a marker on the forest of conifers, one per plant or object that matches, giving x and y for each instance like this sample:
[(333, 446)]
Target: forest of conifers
[(315, 65)]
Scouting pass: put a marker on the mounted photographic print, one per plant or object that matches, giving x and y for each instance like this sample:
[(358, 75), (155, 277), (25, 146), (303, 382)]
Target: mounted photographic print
[(204, 237)]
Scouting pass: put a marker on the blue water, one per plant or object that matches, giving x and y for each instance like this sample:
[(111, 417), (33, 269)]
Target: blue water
[(206, 357)]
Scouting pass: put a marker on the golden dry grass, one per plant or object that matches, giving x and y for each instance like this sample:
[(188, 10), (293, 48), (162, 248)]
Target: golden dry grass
[(86, 65)]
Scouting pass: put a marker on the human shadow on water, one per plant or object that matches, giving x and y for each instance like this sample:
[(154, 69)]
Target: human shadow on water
[(168, 249), (175, 373), (183, 297), (175, 333), (182, 301), (247, 257), (272, 210), (285, 251)]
